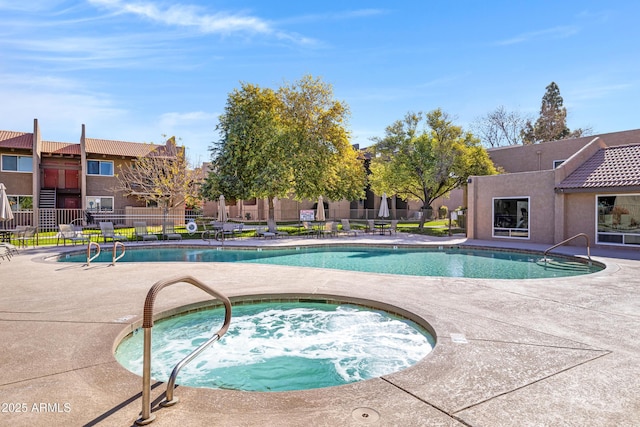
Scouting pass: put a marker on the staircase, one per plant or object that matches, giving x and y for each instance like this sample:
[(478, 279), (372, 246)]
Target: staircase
[(47, 204), (47, 199)]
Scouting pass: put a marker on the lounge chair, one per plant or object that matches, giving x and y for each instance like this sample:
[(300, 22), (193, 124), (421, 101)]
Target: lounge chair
[(264, 233), (11, 249), (141, 232), (169, 233), (307, 229), (67, 232), (330, 229), (25, 233), (371, 226), (109, 233), (346, 228), (392, 228)]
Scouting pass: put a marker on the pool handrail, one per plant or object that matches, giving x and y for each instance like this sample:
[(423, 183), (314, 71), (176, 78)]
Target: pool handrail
[(567, 241), (115, 258), (89, 257), (147, 324)]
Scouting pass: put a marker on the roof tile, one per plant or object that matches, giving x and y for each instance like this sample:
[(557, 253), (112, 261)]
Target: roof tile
[(608, 167)]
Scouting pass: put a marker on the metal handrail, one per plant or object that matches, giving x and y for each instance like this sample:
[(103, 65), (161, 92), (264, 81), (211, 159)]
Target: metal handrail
[(89, 257), (147, 324), (115, 258), (567, 241)]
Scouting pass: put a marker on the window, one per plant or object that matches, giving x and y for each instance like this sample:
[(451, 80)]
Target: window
[(99, 204), (21, 203), (98, 167), (511, 217), (17, 163), (618, 219), (557, 163)]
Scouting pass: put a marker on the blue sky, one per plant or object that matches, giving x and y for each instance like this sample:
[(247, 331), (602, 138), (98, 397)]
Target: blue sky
[(135, 70)]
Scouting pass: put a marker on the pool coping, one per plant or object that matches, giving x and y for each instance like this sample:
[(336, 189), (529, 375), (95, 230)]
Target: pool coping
[(531, 347)]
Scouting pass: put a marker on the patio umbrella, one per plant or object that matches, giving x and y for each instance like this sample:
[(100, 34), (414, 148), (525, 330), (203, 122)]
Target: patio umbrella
[(222, 210), (320, 210), (6, 214), (384, 207)]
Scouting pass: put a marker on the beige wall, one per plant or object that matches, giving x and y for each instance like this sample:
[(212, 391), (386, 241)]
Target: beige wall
[(538, 186), (523, 158)]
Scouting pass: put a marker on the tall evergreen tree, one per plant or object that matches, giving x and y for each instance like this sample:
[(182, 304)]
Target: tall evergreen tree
[(552, 123)]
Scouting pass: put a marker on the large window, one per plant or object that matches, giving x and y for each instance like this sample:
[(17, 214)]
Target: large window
[(618, 219), (21, 203), (511, 217), (17, 163), (99, 203), (99, 167)]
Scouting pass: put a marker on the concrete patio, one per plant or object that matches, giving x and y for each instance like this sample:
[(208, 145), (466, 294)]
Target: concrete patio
[(541, 352)]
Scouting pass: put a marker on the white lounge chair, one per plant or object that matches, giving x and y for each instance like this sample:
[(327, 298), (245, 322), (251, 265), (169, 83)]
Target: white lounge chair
[(141, 231), (67, 232), (109, 233), (170, 233), (346, 228)]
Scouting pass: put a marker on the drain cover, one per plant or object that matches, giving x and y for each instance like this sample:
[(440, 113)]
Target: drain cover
[(365, 415)]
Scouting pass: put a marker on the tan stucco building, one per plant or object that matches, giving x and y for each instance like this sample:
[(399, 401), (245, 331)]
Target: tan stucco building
[(555, 190)]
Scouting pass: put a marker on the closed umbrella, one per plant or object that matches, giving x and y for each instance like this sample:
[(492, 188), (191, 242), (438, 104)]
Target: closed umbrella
[(320, 210), (222, 210), (384, 207), (6, 214)]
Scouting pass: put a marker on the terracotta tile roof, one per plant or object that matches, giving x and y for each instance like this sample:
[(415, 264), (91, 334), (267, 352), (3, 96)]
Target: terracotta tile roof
[(51, 147), (119, 148), (10, 139), (608, 167)]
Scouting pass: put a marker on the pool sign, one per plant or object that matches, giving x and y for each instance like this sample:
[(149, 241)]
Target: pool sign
[(307, 215)]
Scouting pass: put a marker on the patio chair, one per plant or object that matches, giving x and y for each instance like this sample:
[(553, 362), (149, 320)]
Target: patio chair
[(393, 228), (307, 229), (169, 233), (67, 232), (371, 226), (264, 233), (141, 231), (346, 228), (330, 229), (25, 234), (11, 249), (5, 253), (109, 233)]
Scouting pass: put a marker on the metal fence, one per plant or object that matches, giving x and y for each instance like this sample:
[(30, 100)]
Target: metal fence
[(87, 222)]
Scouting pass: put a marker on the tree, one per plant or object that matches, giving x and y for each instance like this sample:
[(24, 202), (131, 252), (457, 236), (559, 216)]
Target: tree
[(551, 125), (289, 142), (426, 164), (501, 127), (162, 177)]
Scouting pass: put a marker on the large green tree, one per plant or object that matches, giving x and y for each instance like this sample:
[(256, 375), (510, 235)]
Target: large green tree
[(425, 162), (291, 142), (551, 125)]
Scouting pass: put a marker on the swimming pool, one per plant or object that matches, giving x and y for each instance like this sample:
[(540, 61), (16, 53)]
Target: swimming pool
[(443, 261), (281, 346)]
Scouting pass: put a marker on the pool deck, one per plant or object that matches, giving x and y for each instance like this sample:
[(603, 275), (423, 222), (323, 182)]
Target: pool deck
[(540, 352)]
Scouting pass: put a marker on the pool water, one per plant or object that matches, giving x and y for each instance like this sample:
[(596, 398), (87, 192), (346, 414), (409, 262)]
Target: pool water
[(281, 346), (445, 262)]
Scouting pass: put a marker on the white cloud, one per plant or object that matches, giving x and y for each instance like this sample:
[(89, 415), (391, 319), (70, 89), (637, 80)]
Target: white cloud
[(197, 17), (547, 34)]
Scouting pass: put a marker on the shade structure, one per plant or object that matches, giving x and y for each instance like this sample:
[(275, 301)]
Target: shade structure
[(222, 210), (384, 207), (6, 214), (320, 216)]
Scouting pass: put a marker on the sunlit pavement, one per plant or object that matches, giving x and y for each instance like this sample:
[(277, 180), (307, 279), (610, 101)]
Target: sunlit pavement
[(542, 352)]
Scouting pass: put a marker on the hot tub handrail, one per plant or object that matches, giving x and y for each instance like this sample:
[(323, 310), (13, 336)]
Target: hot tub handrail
[(567, 241), (147, 323)]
